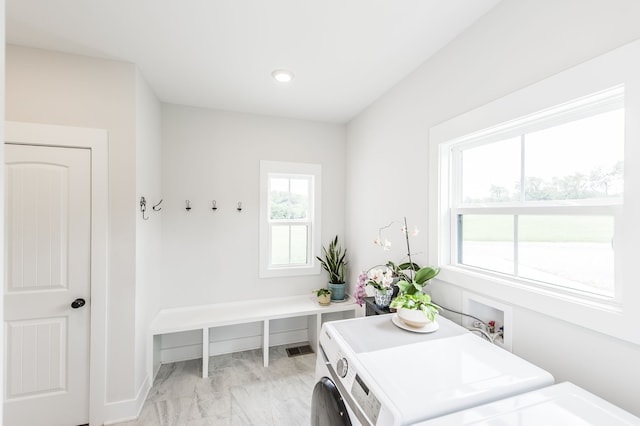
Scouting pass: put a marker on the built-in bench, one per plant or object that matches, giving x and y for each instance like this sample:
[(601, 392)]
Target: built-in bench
[(206, 317)]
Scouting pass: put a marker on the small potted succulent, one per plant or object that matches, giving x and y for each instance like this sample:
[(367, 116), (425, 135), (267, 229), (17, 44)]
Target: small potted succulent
[(324, 296), (415, 310)]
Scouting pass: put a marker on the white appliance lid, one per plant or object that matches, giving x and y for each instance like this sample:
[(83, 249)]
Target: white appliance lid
[(564, 404), (444, 374)]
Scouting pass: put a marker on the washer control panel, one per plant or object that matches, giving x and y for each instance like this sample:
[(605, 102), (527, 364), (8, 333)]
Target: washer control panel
[(365, 399)]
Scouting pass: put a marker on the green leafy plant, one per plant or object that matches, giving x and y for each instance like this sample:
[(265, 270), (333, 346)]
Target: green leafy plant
[(403, 271), (417, 283), (333, 261), (419, 301), (322, 291)]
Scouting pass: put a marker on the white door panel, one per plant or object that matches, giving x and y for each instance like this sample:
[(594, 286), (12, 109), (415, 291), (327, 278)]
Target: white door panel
[(48, 237)]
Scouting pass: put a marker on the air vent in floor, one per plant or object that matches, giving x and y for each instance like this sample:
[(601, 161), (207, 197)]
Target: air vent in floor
[(299, 350)]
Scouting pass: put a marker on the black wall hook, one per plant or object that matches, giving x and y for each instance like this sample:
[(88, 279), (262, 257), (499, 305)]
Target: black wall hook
[(239, 206), (143, 207), (156, 208), (188, 205), (214, 207)]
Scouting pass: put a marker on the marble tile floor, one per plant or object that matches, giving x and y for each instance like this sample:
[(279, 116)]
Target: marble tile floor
[(238, 391)]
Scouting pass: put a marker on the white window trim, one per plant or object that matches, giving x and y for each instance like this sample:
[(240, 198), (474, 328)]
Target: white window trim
[(618, 317), (286, 168)]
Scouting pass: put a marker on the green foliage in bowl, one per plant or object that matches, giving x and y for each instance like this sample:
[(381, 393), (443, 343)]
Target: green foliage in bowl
[(419, 301)]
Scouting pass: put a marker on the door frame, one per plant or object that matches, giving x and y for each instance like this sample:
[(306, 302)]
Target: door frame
[(96, 140)]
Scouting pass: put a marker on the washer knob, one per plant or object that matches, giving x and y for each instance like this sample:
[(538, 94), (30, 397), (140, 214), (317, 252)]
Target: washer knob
[(342, 367)]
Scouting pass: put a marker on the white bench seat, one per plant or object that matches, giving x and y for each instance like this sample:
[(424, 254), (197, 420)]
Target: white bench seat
[(205, 317)]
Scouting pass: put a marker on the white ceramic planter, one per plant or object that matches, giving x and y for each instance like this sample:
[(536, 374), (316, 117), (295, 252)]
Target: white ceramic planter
[(324, 299), (413, 318)]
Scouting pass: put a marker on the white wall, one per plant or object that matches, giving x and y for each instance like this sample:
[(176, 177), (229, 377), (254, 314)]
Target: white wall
[(212, 155), (49, 87), (211, 257), (514, 45), (148, 232), (2, 102)]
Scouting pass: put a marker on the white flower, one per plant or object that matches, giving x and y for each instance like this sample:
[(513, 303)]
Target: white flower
[(387, 279), (381, 276), (376, 275)]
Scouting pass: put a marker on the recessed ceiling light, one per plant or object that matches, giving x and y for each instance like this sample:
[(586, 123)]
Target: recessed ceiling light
[(282, 76)]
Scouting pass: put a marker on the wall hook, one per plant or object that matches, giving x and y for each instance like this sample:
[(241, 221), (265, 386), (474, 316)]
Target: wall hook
[(188, 205), (239, 206), (156, 208), (214, 207), (143, 207)]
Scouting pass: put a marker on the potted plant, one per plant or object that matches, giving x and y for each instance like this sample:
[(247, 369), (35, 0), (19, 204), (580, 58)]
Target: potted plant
[(415, 310), (333, 261), (381, 279), (324, 296), (413, 306)]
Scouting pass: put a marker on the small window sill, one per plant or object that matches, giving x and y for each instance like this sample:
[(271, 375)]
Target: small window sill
[(292, 271)]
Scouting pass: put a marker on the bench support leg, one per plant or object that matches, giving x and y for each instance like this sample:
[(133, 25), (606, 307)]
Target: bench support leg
[(265, 343), (205, 352)]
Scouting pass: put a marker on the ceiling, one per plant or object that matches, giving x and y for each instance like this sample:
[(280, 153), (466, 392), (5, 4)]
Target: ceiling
[(220, 53)]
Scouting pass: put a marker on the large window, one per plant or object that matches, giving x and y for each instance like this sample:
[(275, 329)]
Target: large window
[(534, 197), (289, 218), (537, 199)]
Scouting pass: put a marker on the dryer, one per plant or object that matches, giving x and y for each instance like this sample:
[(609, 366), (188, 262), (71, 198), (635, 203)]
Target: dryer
[(564, 404), (370, 371)]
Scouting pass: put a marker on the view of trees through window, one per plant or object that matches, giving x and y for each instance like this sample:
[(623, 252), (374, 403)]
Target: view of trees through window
[(599, 183), (286, 205), (580, 160), (289, 213)]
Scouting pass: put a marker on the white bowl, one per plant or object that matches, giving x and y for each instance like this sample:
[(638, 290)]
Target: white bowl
[(413, 317)]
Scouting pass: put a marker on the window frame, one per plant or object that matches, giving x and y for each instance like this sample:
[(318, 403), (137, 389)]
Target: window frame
[(615, 316), (588, 106), (269, 169)]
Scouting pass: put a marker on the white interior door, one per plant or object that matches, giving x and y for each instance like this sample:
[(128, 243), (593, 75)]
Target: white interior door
[(48, 244)]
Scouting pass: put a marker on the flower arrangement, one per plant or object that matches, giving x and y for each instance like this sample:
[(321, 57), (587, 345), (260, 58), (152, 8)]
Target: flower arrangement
[(379, 278), (410, 277)]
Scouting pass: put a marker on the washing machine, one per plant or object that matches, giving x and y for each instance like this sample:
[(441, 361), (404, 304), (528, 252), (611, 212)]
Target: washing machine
[(564, 404), (372, 371)]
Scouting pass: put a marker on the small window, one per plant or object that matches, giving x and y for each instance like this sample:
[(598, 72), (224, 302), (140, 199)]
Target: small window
[(289, 218), (539, 200)]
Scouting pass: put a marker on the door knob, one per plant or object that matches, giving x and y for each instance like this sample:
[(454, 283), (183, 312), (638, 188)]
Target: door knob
[(78, 303)]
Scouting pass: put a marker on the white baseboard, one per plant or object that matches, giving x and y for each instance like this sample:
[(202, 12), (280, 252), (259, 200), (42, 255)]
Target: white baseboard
[(194, 351), (124, 411)]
